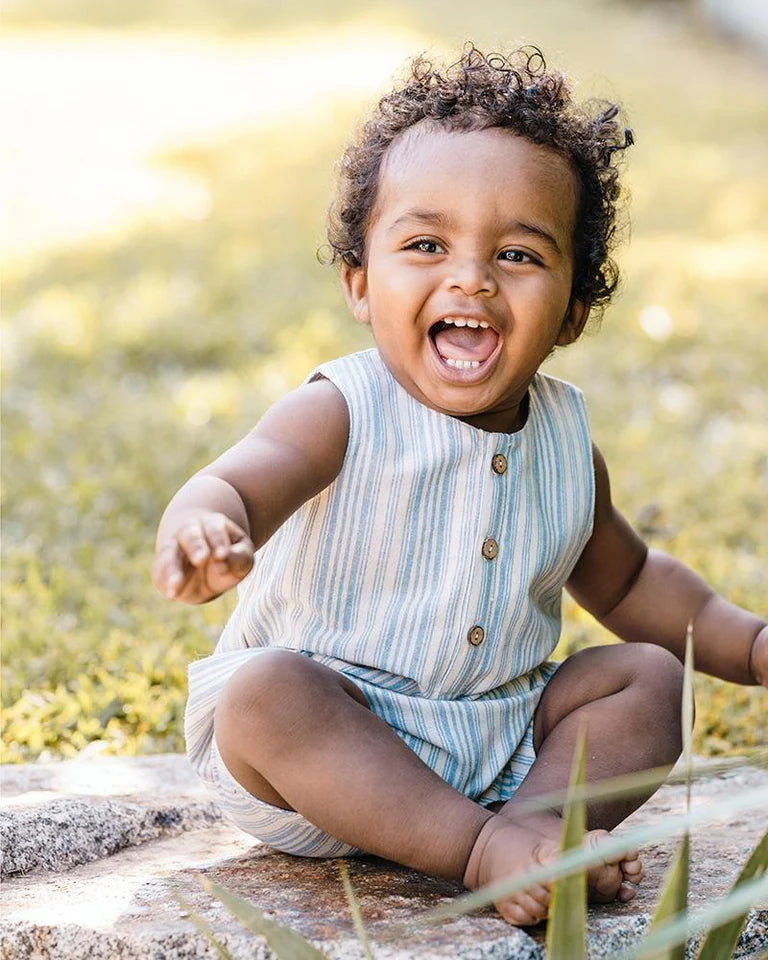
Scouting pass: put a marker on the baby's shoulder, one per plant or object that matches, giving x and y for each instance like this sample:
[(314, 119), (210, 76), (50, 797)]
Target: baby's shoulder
[(313, 415), (553, 388)]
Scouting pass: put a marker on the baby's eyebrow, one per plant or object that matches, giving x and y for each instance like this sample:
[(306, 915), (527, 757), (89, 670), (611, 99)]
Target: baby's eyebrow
[(430, 217)]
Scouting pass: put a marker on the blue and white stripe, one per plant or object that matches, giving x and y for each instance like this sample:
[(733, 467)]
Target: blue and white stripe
[(381, 575)]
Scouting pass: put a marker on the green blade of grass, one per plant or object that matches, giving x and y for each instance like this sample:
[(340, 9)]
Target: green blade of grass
[(721, 911), (202, 926), (712, 766), (285, 943), (630, 784), (354, 906), (687, 715), (579, 859), (721, 940), (567, 926), (672, 903)]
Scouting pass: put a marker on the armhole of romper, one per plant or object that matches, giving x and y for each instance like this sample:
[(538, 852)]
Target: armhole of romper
[(578, 405), (319, 375), (589, 473)]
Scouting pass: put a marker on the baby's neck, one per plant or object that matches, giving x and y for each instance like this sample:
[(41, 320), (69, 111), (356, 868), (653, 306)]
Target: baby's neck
[(501, 421)]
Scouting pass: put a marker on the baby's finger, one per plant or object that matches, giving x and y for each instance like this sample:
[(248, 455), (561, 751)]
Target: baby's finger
[(240, 557), (217, 535), (193, 542), (224, 574), (168, 571)]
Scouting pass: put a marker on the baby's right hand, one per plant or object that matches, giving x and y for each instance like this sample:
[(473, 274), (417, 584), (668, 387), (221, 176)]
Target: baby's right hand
[(206, 556)]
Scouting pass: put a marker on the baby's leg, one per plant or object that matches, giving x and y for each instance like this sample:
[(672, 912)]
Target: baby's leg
[(627, 698), (301, 736)]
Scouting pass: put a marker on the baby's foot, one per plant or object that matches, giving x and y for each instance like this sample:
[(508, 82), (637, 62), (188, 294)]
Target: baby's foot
[(502, 849), (616, 878)]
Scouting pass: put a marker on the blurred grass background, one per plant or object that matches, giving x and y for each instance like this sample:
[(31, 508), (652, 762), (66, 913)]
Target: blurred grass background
[(134, 355)]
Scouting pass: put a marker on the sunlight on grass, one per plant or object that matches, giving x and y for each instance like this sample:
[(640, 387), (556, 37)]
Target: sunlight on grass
[(737, 257), (82, 159)]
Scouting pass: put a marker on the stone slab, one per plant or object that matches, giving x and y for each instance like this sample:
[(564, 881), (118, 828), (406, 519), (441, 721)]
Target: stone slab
[(56, 816), (122, 905), (151, 776), (57, 835)]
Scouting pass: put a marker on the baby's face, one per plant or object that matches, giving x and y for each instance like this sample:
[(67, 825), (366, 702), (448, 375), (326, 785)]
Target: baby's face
[(469, 267)]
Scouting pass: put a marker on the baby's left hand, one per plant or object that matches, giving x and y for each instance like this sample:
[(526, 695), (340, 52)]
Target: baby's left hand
[(758, 661)]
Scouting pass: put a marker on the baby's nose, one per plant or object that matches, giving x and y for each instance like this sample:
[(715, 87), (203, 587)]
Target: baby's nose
[(471, 276)]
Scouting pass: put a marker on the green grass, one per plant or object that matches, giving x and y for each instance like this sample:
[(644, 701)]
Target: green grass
[(129, 364)]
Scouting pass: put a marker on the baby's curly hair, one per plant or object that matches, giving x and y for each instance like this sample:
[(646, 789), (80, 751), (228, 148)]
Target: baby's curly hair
[(515, 92)]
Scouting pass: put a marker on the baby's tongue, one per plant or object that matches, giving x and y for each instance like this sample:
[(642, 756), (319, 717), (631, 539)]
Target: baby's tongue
[(466, 343)]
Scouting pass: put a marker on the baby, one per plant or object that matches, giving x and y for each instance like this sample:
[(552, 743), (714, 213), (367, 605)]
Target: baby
[(402, 525)]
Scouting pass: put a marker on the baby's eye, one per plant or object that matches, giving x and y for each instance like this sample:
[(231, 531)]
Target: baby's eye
[(517, 256), (425, 245)]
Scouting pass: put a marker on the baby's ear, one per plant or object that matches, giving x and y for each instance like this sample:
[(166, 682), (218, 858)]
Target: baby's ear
[(354, 283), (574, 322)]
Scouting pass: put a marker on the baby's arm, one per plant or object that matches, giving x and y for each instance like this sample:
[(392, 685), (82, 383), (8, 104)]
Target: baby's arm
[(226, 511), (645, 595)]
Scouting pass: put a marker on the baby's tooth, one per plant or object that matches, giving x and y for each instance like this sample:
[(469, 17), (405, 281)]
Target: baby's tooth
[(461, 364), (484, 325), (473, 323), (459, 323)]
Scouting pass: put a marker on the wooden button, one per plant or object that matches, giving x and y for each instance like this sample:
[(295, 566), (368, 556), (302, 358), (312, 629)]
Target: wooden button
[(490, 549), (499, 464), (475, 636)]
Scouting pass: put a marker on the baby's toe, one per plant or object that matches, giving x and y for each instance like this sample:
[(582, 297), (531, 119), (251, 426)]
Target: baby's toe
[(626, 892), (596, 837), (523, 910), (604, 879), (541, 893), (604, 885), (632, 870)]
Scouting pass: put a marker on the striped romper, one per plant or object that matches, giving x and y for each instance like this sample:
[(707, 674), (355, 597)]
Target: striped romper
[(430, 573)]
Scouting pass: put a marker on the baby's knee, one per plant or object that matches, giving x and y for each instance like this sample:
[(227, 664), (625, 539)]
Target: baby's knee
[(263, 693), (658, 669), (658, 687)]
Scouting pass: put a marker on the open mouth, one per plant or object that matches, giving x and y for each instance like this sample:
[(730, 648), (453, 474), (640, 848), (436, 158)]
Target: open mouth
[(463, 343)]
